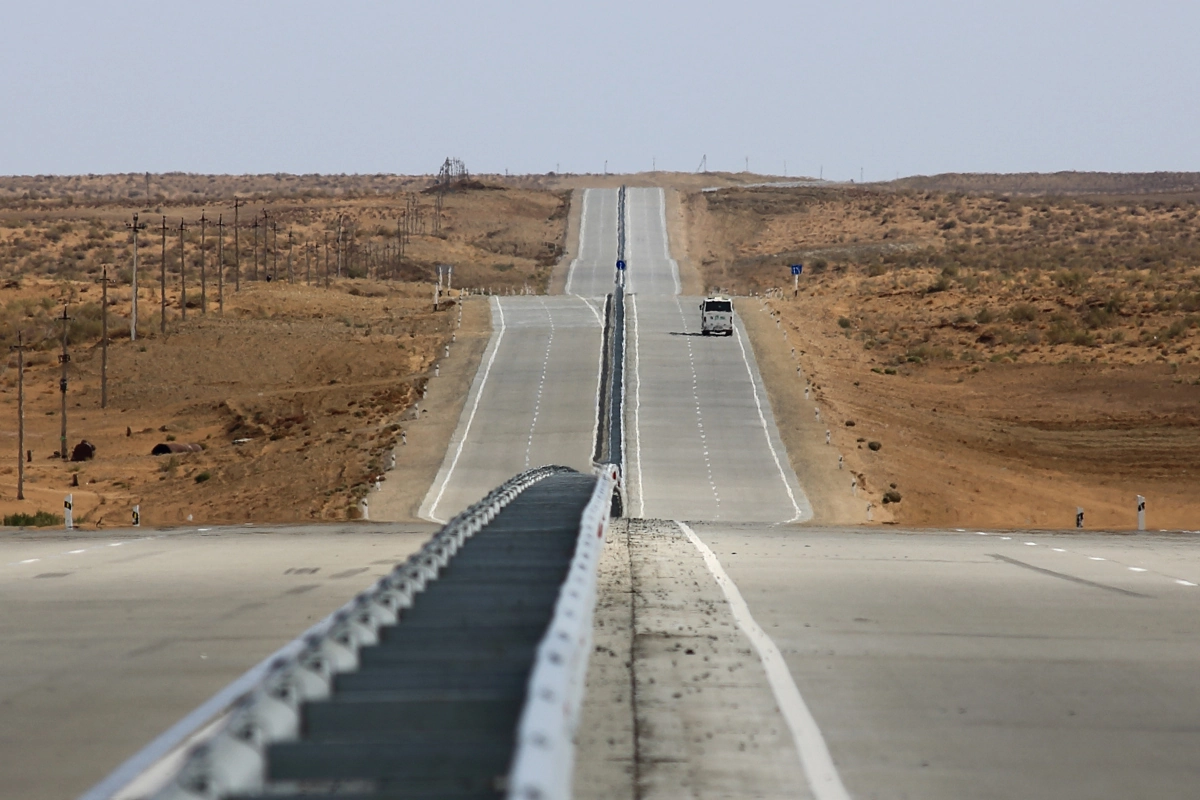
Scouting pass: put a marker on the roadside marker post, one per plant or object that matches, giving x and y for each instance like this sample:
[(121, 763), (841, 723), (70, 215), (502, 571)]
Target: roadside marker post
[(1141, 512), (797, 269), (68, 509), (137, 516), (1078, 517)]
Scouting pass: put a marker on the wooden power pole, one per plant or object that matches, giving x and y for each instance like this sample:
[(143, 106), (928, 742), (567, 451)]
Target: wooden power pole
[(64, 359), (135, 227), (104, 340), (163, 277), (182, 273), (221, 264), (203, 275), (237, 251), (20, 348)]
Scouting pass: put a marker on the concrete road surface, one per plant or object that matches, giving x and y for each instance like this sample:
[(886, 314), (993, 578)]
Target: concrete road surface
[(949, 665), (593, 272), (701, 441), (935, 665), (110, 638), (533, 400)]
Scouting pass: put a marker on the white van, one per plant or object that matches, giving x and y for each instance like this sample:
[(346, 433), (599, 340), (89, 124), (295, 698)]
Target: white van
[(716, 316)]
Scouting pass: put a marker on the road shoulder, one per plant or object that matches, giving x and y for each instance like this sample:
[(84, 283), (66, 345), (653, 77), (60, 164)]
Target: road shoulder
[(428, 434), (701, 719)]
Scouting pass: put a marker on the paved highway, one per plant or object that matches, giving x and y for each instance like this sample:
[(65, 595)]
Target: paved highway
[(701, 441), (533, 400), (110, 638), (955, 664)]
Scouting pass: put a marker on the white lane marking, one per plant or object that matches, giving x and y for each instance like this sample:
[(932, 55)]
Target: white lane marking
[(29, 561), (537, 403), (592, 308), (582, 229), (470, 419), (662, 215), (1031, 544), (116, 544), (766, 430), (637, 406), (980, 533), (1006, 538), (1137, 569), (823, 777), (696, 399), (1182, 582), (1097, 558), (1058, 549), (76, 552)]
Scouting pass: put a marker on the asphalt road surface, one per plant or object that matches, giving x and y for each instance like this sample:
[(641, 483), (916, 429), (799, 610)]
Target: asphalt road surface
[(701, 441), (533, 400), (956, 664), (110, 638)]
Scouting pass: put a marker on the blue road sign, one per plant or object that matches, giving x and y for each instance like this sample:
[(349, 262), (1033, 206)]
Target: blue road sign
[(797, 269), (620, 265)]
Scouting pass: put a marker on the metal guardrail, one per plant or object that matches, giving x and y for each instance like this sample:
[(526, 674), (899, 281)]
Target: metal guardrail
[(320, 719), (232, 760), (545, 757)]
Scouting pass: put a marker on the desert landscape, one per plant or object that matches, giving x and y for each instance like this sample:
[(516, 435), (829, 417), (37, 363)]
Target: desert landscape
[(1014, 348), (1028, 342), (292, 380)]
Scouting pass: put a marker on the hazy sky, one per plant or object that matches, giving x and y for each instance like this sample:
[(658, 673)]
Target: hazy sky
[(889, 87)]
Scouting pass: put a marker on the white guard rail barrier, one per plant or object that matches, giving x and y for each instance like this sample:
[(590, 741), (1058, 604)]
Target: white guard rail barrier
[(263, 706), (544, 761)]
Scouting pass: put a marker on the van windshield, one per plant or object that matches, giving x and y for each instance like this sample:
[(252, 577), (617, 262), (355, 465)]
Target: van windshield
[(718, 305)]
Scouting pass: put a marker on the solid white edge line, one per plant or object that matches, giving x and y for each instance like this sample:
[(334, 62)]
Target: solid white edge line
[(822, 774), (766, 431), (470, 419), (637, 406), (579, 252), (662, 213)]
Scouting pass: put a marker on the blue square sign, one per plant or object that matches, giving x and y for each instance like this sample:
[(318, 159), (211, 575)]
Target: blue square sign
[(620, 265), (797, 269)]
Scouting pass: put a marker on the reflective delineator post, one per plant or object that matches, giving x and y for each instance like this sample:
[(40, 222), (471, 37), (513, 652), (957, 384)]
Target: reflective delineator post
[(1141, 513), (363, 510), (1078, 516), (137, 516), (68, 509), (870, 512)]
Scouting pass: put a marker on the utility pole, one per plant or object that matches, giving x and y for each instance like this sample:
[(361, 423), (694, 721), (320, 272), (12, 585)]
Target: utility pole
[(163, 286), (104, 340), (135, 227), (308, 262), (182, 273), (339, 246), (221, 264), (20, 348), (274, 250), (326, 259), (64, 359), (237, 251), (203, 277), (291, 245), (266, 225), (255, 227)]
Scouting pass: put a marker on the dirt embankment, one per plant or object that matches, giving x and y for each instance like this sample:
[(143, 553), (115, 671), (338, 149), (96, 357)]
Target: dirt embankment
[(1012, 358)]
